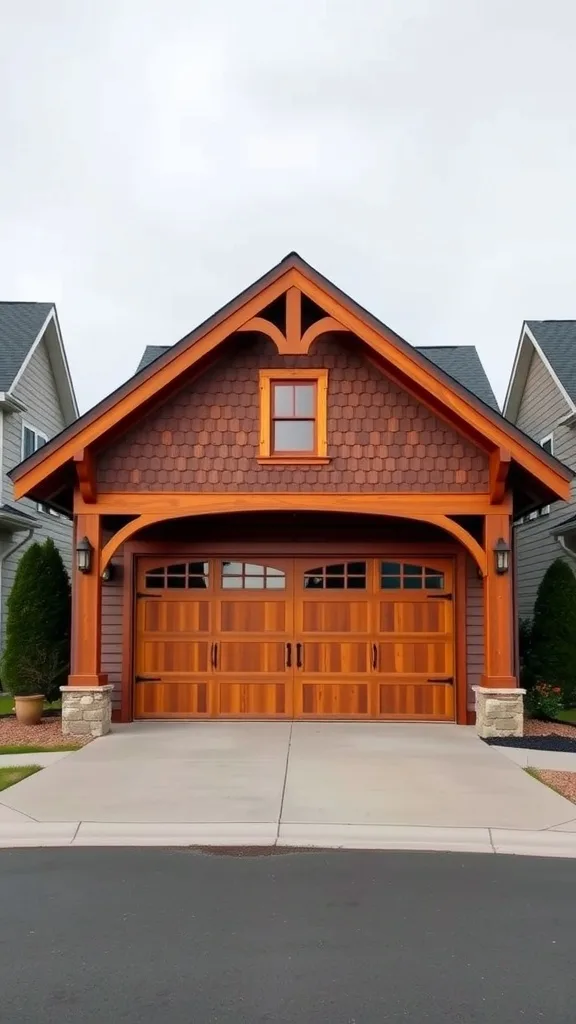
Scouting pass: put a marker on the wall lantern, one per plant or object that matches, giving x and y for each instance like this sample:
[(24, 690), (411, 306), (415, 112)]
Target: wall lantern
[(502, 556), (84, 551)]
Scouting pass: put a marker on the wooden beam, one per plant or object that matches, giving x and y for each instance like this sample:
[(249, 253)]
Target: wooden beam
[(87, 609), (86, 474), (324, 326), (263, 326), (293, 321), (498, 609), (450, 503), (500, 461), (225, 503)]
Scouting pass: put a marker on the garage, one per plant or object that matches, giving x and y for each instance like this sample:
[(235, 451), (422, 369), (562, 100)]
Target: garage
[(295, 638)]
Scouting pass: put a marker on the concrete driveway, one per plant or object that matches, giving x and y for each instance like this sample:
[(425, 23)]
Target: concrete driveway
[(305, 783)]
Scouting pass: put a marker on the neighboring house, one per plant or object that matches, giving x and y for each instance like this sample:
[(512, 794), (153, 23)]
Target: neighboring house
[(297, 515), (36, 402), (541, 400)]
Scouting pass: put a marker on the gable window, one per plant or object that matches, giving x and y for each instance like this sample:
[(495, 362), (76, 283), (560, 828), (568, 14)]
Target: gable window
[(32, 440), (293, 415)]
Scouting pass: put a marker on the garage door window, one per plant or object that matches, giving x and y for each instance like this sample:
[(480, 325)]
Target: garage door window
[(179, 576), (251, 576), (338, 576), (408, 576)]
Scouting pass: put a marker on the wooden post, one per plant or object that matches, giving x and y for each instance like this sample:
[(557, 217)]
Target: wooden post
[(86, 609), (498, 609)]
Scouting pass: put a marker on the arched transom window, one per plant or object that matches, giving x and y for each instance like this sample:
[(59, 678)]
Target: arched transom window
[(410, 576), (178, 576), (337, 576), (251, 576)]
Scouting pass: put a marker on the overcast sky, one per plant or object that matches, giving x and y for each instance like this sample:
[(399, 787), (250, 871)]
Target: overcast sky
[(157, 157)]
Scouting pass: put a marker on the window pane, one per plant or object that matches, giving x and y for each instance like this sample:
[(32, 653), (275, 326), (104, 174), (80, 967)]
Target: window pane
[(29, 444), (40, 441), (232, 568), (254, 582), (198, 568), (231, 583), (304, 399), (334, 583), (273, 572), (434, 583), (197, 582), (390, 568), (177, 570), (412, 570), (356, 583), (390, 583), (413, 583), (275, 582), (253, 570), (293, 436), (176, 582), (357, 568), (283, 400), (335, 570), (155, 582), (313, 582)]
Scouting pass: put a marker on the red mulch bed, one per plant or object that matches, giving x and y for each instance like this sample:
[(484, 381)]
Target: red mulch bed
[(535, 727), (562, 782), (47, 734)]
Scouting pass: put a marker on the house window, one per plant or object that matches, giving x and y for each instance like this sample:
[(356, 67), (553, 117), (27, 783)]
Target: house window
[(547, 444), (32, 440), (251, 576), (293, 414), (339, 576), (179, 576), (406, 576)]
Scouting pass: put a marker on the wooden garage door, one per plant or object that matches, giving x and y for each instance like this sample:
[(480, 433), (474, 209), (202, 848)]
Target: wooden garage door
[(364, 638)]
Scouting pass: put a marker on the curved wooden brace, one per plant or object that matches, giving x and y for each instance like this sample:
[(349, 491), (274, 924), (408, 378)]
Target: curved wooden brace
[(225, 503), (327, 323), (259, 323)]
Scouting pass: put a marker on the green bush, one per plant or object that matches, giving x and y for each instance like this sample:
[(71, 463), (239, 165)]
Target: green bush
[(37, 649), (525, 646), (544, 701), (552, 654)]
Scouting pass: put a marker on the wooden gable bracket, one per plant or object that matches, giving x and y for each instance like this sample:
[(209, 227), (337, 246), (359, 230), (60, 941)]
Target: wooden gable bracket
[(86, 475), (500, 461), (293, 343)]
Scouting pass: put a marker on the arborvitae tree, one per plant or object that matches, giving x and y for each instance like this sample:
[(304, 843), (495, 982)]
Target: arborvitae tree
[(37, 649), (552, 655)]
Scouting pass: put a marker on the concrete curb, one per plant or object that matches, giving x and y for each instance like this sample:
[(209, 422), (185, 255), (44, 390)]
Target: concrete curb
[(554, 760), (557, 842)]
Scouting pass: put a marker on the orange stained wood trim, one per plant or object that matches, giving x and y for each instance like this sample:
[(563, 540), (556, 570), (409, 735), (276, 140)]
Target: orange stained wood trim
[(263, 326), (324, 326), (293, 320), (500, 461), (86, 474), (461, 637), (225, 503), (191, 502), (128, 599), (498, 609), (378, 339), (320, 377), (87, 610), (150, 386)]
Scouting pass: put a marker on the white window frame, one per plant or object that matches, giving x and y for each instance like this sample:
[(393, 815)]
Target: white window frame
[(545, 510), (38, 434)]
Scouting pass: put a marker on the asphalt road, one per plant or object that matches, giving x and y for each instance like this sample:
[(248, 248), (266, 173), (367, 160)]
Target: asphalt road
[(181, 937)]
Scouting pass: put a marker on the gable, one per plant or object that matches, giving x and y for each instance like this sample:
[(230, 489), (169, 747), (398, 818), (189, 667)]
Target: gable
[(37, 390), (206, 437), (279, 306), (542, 404), (20, 325)]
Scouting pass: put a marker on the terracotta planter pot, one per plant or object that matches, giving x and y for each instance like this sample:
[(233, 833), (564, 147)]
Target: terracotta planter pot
[(29, 709)]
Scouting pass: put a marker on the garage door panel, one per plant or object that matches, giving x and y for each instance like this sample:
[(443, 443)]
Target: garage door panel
[(410, 657), (413, 700), (254, 657), (252, 700), (415, 616), (252, 616), (335, 658), (172, 699), (332, 699), (334, 617), (182, 655)]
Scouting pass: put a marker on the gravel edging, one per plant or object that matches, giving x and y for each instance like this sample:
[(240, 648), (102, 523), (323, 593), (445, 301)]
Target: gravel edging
[(560, 744)]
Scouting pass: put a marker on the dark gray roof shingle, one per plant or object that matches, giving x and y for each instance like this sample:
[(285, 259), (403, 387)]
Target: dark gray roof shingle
[(459, 361), (557, 339), (20, 324)]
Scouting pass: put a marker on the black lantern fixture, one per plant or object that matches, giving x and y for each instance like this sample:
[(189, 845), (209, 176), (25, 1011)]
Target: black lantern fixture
[(502, 556), (84, 552)]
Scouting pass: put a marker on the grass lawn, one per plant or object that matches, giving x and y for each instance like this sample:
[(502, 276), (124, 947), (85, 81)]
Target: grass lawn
[(17, 749), (7, 706), (10, 776), (567, 716)]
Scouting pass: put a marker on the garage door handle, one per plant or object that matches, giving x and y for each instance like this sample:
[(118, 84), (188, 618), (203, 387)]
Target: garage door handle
[(299, 650), (288, 655), (214, 656), (374, 656), (442, 679)]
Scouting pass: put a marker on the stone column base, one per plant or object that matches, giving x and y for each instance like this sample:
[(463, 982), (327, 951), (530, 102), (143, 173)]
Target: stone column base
[(499, 712), (86, 710)]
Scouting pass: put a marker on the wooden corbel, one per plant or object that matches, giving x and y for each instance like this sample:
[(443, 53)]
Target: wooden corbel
[(86, 474), (500, 461)]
